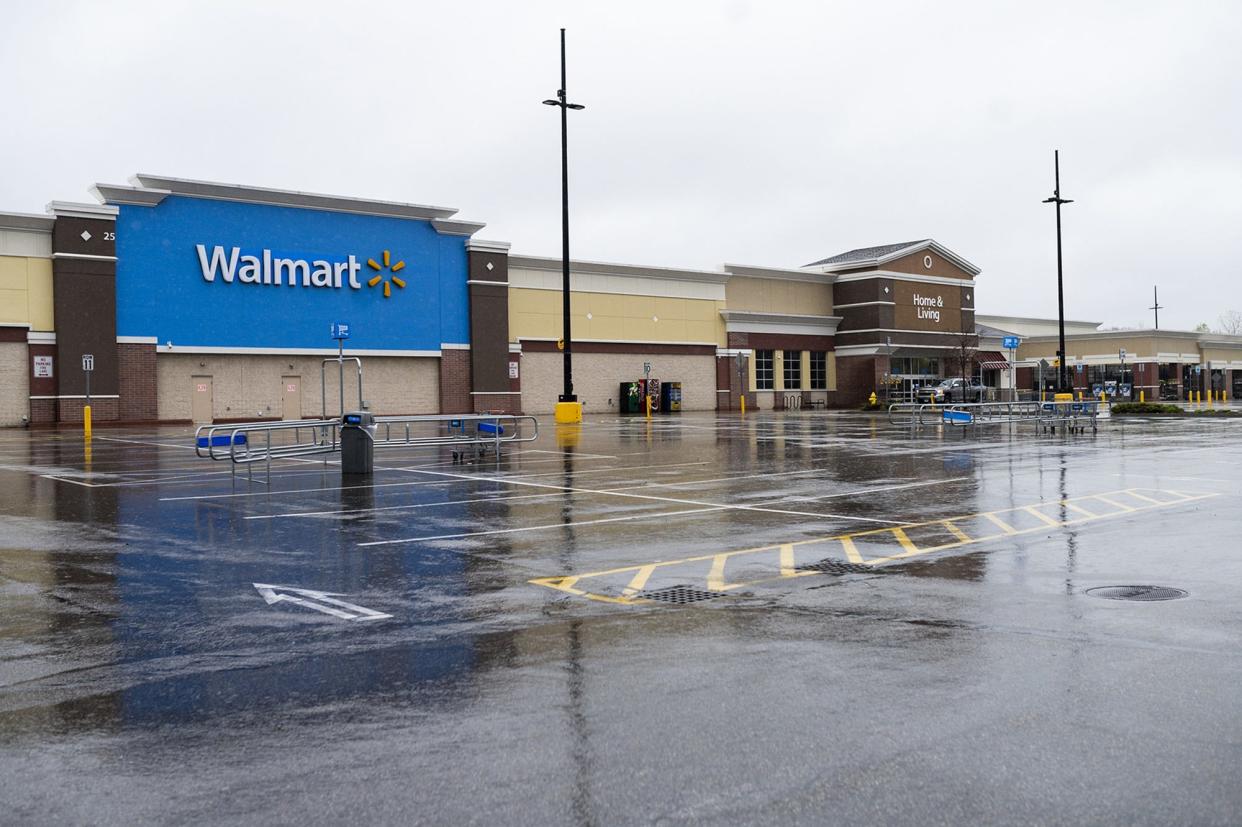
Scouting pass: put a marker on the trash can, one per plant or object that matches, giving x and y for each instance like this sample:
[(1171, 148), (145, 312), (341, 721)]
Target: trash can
[(358, 443)]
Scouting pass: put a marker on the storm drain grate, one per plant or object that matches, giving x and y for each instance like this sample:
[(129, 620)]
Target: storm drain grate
[(680, 595), (838, 567), (1137, 592)]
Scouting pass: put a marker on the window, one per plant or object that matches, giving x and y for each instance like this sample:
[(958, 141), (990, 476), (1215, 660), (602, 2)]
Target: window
[(793, 370), (819, 370), (763, 370)]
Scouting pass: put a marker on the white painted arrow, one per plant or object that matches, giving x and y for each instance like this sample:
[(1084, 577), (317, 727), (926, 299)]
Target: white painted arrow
[(325, 602)]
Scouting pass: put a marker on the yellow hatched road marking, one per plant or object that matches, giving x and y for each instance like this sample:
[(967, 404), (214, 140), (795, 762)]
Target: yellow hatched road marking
[(851, 550), (787, 560), (786, 568), (905, 541), (956, 532), (1035, 512), (639, 581), (1113, 503), (1001, 524)]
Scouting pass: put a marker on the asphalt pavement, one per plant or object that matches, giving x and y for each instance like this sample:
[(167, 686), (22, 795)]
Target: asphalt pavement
[(801, 618)]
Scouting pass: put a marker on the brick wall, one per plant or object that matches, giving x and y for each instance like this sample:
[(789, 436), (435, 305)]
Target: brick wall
[(857, 377), (102, 410), (138, 387), (455, 381)]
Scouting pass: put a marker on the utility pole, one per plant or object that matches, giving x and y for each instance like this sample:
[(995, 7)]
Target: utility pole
[(1155, 294), (1058, 200), (567, 397)]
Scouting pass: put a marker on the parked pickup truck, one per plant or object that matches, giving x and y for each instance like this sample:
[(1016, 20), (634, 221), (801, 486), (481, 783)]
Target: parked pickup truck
[(952, 390)]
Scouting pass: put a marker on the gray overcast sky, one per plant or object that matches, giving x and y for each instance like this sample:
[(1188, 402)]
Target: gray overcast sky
[(759, 133)]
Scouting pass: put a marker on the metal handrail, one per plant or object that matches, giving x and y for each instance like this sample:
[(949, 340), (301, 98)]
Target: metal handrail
[(323, 434), (515, 432), (995, 413)]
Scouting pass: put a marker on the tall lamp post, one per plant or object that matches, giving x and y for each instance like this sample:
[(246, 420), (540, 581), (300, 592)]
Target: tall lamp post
[(1058, 200), (568, 409)]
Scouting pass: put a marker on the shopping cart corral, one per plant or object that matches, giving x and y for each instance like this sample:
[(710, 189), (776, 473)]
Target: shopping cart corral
[(248, 443), (1047, 417)]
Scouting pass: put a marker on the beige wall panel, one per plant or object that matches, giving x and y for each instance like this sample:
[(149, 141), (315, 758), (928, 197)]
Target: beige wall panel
[(940, 268), (249, 386), (12, 273), (778, 296), (536, 314), (14, 308), (39, 285), (1137, 347), (14, 383), (1222, 354), (597, 377), (26, 291)]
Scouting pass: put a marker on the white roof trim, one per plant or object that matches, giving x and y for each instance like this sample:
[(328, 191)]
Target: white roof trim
[(284, 198), (757, 272), (931, 244), (607, 269), (446, 226), (481, 246), (29, 222), (74, 209), (121, 194), (751, 321), (895, 276)]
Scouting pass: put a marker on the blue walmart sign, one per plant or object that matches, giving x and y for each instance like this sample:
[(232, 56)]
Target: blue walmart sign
[(206, 273)]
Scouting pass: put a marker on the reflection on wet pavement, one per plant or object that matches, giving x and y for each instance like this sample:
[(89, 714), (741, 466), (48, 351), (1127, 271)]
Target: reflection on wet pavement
[(903, 632)]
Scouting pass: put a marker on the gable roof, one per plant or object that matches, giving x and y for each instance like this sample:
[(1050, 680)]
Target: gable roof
[(866, 254), (884, 253)]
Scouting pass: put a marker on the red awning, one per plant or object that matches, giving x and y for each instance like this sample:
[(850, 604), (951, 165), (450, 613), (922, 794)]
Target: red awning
[(991, 360)]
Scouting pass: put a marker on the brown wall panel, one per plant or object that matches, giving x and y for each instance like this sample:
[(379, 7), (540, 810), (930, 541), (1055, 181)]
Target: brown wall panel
[(489, 337), (85, 307), (915, 265)]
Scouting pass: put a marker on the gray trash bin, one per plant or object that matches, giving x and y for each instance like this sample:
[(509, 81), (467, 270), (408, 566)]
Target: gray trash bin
[(358, 443)]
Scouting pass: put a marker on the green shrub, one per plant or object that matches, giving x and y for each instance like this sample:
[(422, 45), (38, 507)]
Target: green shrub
[(1146, 408)]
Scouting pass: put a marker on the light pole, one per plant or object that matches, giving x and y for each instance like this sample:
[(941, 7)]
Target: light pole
[(1058, 200), (567, 409)]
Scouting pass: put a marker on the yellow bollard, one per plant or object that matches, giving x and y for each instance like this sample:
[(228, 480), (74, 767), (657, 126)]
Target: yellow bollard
[(743, 404), (1142, 395), (86, 421), (648, 399), (1211, 396)]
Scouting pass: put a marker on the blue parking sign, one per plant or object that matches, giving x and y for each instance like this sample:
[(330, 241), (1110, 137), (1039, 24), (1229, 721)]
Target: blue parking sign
[(340, 330), (1011, 342)]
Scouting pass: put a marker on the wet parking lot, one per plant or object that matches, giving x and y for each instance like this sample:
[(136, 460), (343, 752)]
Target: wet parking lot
[(802, 618)]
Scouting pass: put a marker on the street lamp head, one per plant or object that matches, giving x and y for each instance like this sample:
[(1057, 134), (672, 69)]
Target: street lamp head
[(1052, 200), (575, 106), (551, 102)]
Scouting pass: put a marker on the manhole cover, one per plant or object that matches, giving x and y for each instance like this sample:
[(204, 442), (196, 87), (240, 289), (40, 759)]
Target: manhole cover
[(680, 595), (1137, 592), (838, 567)]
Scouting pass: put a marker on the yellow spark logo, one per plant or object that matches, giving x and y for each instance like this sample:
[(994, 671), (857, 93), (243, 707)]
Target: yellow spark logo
[(393, 269)]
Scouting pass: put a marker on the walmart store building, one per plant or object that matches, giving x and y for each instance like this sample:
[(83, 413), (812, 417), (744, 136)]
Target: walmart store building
[(213, 302)]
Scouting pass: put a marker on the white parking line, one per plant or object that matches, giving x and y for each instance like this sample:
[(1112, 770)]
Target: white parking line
[(546, 527)]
